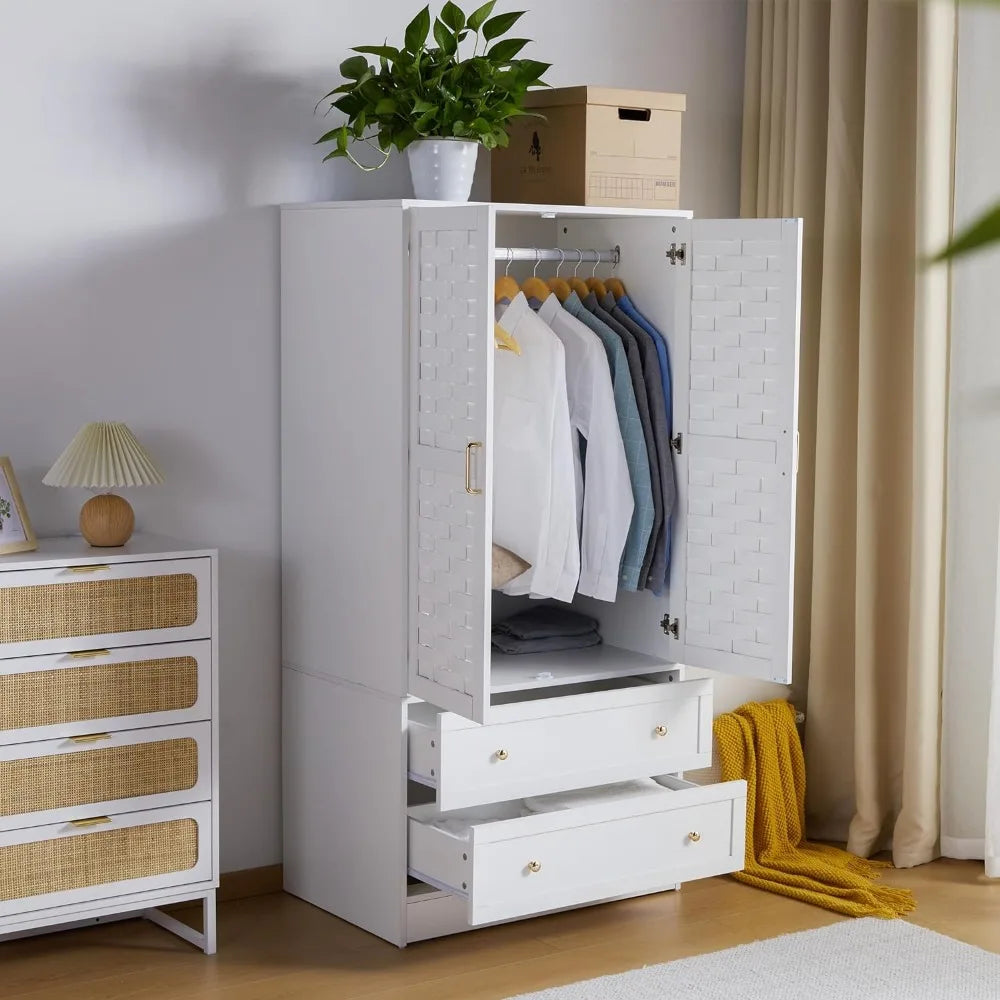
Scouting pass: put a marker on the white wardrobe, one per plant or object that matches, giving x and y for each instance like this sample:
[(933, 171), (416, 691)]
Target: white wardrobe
[(408, 747)]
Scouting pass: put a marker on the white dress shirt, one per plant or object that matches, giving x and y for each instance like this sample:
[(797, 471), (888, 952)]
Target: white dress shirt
[(604, 493), (534, 487)]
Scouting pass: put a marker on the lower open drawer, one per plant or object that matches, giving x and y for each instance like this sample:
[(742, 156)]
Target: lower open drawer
[(528, 864), (99, 856)]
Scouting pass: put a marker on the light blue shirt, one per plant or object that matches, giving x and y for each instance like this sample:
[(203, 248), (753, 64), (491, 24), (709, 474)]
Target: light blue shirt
[(634, 439)]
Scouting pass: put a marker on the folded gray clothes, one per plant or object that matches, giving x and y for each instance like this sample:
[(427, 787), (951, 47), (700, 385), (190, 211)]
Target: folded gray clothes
[(545, 621), (545, 644)]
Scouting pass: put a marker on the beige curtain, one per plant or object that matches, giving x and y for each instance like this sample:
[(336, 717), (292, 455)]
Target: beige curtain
[(848, 122)]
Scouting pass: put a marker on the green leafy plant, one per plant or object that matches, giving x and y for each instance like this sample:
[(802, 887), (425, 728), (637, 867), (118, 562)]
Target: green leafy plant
[(429, 91)]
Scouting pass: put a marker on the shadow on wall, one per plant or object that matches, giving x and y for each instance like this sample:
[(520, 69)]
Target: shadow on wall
[(173, 328)]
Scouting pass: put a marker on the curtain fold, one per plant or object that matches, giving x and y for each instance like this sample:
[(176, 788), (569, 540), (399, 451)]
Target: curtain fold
[(849, 114)]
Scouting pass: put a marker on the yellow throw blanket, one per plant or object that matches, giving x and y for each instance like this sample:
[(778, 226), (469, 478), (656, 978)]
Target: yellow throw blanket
[(759, 742)]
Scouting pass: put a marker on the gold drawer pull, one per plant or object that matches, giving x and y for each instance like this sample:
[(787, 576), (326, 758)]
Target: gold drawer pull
[(91, 821), (94, 568), (660, 731), (534, 866), (469, 488), (89, 654), (694, 836), (91, 738), (502, 755)]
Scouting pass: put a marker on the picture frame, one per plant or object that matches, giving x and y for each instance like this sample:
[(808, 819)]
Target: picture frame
[(16, 534)]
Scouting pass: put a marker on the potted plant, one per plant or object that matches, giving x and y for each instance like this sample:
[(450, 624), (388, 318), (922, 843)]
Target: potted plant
[(433, 103)]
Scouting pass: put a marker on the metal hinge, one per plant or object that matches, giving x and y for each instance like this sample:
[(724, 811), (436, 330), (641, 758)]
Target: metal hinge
[(677, 253), (677, 443), (671, 626)]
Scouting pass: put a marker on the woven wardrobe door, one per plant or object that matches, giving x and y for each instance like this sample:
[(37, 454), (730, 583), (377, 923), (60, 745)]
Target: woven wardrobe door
[(741, 308), (451, 437)]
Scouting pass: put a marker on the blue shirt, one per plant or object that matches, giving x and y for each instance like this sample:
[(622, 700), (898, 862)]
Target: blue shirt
[(634, 440)]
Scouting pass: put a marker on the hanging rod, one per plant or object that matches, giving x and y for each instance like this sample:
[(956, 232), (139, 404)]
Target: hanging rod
[(567, 256)]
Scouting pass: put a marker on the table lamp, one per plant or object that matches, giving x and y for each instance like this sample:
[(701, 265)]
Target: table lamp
[(104, 456)]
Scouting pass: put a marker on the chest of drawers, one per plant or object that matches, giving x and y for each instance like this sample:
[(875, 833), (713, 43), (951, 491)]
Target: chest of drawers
[(108, 734)]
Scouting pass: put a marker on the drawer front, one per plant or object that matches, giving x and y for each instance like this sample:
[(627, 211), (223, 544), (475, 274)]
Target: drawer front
[(81, 607), (68, 863), (52, 780), (532, 864), (586, 740), (103, 690)]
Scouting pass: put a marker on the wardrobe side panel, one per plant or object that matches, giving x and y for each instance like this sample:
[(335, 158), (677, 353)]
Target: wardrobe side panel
[(344, 802), (344, 406)]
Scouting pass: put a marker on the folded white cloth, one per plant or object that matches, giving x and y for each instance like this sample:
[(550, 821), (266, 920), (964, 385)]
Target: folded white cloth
[(595, 796), (460, 824)]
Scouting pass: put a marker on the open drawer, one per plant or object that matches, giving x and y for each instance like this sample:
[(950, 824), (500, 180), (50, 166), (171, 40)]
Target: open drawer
[(606, 732), (529, 864)]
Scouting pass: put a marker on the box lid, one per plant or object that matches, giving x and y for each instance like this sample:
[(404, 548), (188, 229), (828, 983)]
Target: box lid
[(610, 96)]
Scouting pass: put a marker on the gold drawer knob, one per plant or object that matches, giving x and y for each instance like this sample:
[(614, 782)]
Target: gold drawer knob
[(694, 836), (660, 731), (534, 866), (502, 755)]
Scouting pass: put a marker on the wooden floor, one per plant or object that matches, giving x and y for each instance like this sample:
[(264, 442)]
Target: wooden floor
[(278, 948)]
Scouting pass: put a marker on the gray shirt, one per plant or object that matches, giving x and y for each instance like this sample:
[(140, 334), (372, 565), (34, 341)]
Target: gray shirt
[(634, 355)]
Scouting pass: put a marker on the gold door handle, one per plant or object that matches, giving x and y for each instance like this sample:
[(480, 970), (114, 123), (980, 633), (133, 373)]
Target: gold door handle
[(502, 755), (469, 488), (91, 738), (694, 836), (89, 654), (660, 731), (534, 866), (91, 821), (95, 568)]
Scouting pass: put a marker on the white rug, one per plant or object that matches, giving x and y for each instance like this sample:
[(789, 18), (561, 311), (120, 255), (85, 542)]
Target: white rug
[(867, 959)]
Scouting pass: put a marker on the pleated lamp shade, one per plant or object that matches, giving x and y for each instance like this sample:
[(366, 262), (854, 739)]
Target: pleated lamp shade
[(103, 456)]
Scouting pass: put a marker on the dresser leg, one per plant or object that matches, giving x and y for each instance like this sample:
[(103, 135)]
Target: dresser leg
[(204, 939), (208, 910)]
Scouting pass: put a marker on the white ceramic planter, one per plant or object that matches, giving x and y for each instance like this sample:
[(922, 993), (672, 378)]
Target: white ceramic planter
[(442, 169)]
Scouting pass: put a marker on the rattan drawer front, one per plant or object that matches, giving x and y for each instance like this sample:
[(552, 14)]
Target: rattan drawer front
[(52, 780), (103, 690), (49, 866), (104, 605)]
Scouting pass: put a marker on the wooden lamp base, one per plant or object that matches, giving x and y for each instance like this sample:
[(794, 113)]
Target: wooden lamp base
[(107, 521)]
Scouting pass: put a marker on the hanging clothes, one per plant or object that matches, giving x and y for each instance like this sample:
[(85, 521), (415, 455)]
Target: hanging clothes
[(633, 439), (642, 398), (661, 432), (663, 354), (604, 496), (534, 496)]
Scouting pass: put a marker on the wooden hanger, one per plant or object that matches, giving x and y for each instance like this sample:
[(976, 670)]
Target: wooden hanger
[(505, 341), (594, 283), (560, 288), (534, 287), (577, 284), (505, 287), (616, 288)]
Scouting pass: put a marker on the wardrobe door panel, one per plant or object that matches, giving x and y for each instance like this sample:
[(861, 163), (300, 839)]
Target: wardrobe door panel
[(742, 279), (451, 437)]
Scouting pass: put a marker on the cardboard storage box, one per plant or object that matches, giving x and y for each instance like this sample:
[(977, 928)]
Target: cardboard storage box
[(596, 146)]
